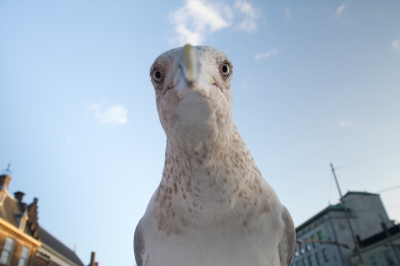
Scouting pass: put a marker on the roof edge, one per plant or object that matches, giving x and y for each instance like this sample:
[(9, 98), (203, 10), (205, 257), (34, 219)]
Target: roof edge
[(58, 254), (337, 207), (360, 193), (20, 233)]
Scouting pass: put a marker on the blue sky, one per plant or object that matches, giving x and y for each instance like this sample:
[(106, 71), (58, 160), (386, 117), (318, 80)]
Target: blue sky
[(314, 83)]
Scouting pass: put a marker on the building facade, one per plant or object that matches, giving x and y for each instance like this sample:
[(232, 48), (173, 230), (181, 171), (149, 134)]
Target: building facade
[(380, 249), (325, 239), (23, 242)]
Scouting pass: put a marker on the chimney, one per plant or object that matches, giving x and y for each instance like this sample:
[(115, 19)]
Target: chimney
[(92, 259), (19, 196), (4, 181)]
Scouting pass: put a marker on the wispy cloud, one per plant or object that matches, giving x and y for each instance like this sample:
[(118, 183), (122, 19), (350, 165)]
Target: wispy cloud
[(266, 54), (288, 14), (251, 14), (111, 115), (346, 123), (396, 45), (340, 9), (198, 18)]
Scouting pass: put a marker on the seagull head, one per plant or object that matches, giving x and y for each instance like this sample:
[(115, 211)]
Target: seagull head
[(192, 86)]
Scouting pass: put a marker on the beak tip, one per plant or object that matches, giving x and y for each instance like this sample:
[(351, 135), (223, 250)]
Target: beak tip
[(189, 63)]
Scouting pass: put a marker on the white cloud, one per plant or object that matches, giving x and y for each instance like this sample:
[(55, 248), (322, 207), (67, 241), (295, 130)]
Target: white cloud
[(288, 14), (112, 115), (340, 9), (198, 18), (251, 14), (346, 123), (396, 45), (266, 54)]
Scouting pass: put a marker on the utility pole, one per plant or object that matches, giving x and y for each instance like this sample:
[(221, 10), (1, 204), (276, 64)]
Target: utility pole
[(390, 238), (347, 217), (334, 234)]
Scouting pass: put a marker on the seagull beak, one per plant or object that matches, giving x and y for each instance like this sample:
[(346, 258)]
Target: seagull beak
[(189, 78), (189, 64)]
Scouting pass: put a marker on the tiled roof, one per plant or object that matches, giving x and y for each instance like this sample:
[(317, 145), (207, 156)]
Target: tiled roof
[(8, 209), (55, 244), (11, 206)]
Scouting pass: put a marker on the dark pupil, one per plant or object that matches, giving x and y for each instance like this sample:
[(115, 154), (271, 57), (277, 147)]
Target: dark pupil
[(158, 74), (224, 69)]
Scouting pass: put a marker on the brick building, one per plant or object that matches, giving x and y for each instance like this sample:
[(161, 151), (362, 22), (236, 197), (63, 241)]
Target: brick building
[(23, 242)]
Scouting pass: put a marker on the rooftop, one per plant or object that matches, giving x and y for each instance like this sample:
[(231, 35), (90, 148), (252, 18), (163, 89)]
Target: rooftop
[(55, 244), (337, 207)]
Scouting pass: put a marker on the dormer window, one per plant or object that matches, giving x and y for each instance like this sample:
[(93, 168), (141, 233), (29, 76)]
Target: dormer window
[(21, 219), (3, 195)]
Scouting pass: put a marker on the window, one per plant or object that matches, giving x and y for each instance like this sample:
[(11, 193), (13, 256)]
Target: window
[(326, 259), (388, 258), (21, 219), (314, 244), (7, 250), (311, 260), (24, 256), (320, 235), (373, 262), (318, 258), (307, 246), (301, 248)]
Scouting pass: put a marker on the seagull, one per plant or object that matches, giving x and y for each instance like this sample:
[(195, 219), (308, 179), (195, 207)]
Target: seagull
[(212, 206)]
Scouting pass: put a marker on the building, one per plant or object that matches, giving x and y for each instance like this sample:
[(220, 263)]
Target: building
[(23, 242), (325, 239), (382, 248)]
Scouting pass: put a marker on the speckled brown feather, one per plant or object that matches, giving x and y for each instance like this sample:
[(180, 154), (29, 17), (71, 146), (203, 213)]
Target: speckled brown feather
[(211, 188)]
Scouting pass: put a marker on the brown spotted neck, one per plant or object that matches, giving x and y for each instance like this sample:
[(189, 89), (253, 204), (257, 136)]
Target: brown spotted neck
[(195, 179)]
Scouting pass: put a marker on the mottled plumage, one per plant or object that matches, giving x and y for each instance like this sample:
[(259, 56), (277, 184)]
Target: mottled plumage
[(212, 207)]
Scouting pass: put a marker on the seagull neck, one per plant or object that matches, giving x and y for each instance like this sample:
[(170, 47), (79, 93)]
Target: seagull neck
[(203, 175)]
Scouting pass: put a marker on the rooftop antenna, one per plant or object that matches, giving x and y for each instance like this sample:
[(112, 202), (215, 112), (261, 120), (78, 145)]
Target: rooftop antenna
[(348, 218), (7, 170)]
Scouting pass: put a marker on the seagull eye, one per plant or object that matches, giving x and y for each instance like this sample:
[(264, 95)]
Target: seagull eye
[(226, 69), (157, 75)]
